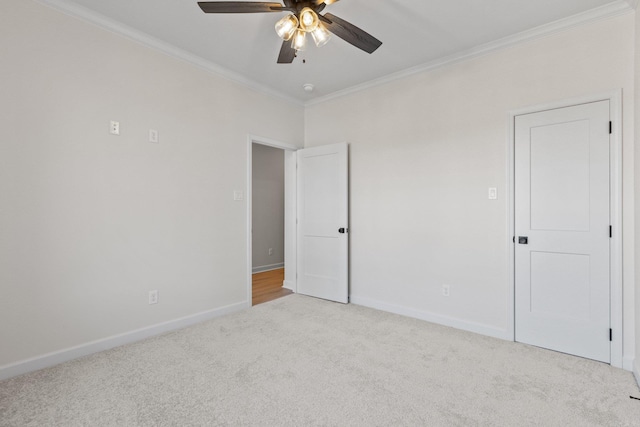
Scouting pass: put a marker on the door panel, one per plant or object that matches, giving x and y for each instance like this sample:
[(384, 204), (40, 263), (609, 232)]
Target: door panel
[(562, 207), (322, 212), (557, 278), (560, 177)]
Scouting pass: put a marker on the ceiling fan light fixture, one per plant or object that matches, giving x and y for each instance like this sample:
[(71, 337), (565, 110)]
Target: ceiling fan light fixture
[(321, 35), (302, 17), (299, 40), (286, 27), (309, 20)]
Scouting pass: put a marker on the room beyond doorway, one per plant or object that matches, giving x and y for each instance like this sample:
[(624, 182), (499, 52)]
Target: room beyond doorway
[(267, 286), (290, 211)]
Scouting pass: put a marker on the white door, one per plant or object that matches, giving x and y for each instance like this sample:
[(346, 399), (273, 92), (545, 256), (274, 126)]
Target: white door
[(323, 238), (562, 230)]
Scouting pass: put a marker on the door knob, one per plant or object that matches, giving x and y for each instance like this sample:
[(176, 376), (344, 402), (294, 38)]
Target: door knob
[(342, 230), (523, 240)]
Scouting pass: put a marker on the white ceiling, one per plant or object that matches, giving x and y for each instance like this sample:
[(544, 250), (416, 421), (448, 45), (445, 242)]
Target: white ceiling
[(415, 34)]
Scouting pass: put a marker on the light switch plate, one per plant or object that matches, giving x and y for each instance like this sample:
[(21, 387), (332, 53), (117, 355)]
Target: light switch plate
[(493, 193), (238, 195)]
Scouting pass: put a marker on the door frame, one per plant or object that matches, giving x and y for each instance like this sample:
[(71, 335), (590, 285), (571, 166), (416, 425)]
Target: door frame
[(615, 211), (290, 212)]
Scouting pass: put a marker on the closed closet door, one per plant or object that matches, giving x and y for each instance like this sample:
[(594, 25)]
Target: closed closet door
[(562, 242)]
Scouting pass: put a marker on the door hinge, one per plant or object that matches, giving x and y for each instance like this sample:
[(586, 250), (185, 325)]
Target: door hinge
[(514, 239), (610, 334), (610, 231), (610, 128)]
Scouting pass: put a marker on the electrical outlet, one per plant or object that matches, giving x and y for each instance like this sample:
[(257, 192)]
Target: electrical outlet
[(270, 251), (114, 128), (153, 136), (153, 297), (445, 290)]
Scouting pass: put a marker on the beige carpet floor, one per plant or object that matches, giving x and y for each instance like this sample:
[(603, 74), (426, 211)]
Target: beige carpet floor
[(300, 361)]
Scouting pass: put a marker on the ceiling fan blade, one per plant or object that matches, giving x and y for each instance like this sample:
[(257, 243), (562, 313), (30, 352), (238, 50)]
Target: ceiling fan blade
[(239, 7), (350, 33), (287, 53)]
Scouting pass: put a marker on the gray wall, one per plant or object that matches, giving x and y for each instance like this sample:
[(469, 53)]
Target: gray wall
[(423, 152), (91, 222), (267, 206)]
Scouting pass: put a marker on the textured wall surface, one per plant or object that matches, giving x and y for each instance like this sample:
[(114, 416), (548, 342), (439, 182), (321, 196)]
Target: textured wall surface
[(90, 222), (425, 149)]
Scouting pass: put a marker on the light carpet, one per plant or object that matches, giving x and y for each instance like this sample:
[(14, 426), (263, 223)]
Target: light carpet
[(299, 361)]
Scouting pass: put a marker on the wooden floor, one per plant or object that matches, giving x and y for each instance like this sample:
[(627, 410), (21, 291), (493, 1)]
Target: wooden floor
[(267, 286)]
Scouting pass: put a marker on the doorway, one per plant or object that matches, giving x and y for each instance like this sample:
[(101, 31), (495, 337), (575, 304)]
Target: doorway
[(271, 245), (566, 252), (267, 224), (320, 181)]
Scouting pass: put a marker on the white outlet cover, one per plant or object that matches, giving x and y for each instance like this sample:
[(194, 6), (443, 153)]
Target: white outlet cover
[(114, 127), (238, 195), (153, 136), (445, 290), (153, 297)]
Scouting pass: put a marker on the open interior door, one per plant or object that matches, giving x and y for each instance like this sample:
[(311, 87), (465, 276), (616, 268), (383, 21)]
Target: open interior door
[(323, 239)]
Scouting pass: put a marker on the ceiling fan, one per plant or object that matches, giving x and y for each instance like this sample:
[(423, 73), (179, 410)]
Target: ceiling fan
[(304, 17)]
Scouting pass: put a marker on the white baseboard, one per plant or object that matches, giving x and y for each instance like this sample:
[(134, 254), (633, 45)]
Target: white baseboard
[(627, 364), (270, 267), (55, 358), (636, 371), (287, 284), (465, 325)]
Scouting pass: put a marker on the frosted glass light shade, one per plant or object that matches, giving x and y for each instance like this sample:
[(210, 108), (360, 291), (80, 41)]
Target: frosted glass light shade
[(286, 27), (321, 35), (308, 20), (299, 40)]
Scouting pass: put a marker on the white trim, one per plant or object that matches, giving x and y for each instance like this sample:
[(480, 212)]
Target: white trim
[(55, 358), (615, 99), (603, 12), (636, 372), (290, 220), (475, 327), (270, 267), (511, 226), (147, 40), (272, 143), (289, 244), (606, 11)]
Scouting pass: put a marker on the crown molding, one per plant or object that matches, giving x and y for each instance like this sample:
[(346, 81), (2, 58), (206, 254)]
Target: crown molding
[(92, 17), (610, 10)]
